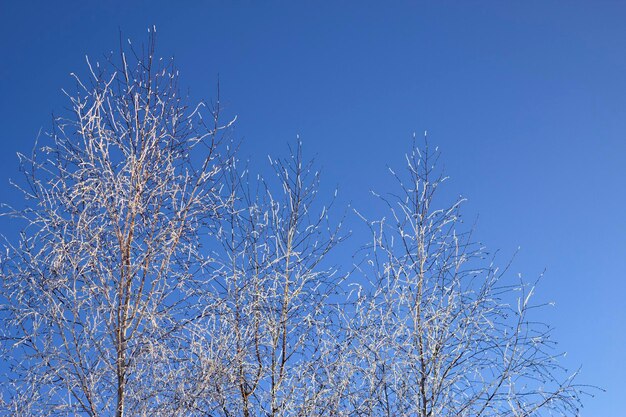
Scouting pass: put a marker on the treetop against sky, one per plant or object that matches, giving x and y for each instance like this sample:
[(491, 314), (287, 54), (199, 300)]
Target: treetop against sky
[(524, 101)]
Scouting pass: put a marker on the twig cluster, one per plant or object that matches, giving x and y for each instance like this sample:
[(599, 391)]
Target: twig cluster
[(156, 277)]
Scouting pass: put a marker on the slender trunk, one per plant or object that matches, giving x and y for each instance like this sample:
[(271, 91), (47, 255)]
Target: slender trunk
[(121, 376), (119, 412)]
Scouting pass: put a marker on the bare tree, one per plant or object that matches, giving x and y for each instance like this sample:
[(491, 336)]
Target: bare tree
[(99, 295), (440, 331), (156, 277), (270, 326)]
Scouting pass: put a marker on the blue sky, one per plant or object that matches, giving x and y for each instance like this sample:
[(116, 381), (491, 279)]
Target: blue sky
[(526, 100)]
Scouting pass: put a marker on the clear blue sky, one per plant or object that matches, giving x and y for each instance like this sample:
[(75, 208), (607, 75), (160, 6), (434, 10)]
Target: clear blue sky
[(527, 101)]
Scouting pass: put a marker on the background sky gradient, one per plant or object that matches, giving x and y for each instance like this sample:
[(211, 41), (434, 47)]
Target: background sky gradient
[(526, 100)]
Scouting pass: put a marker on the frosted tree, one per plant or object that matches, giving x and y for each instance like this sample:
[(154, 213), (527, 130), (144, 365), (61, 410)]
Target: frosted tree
[(439, 330), (155, 276), (99, 296), (271, 326)]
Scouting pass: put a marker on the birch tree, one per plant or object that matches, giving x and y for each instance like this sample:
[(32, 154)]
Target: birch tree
[(156, 276), (271, 325), (100, 293), (441, 331)]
